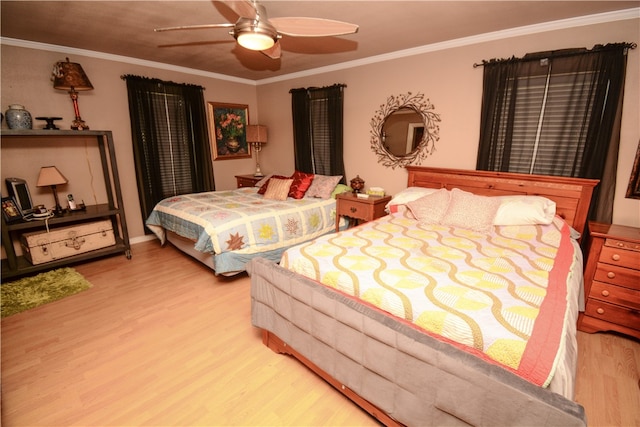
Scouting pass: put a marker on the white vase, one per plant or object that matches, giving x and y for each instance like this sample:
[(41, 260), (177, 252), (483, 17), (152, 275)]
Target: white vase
[(18, 118)]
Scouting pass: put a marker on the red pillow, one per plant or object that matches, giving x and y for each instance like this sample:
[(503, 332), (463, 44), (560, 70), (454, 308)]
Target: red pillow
[(263, 189), (300, 185)]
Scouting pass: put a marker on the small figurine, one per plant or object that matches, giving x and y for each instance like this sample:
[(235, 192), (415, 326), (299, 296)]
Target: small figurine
[(357, 184)]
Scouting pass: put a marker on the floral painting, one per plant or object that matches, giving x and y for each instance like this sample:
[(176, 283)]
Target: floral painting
[(228, 130)]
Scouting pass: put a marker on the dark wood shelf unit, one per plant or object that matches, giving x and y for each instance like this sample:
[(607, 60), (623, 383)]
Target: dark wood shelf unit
[(14, 265)]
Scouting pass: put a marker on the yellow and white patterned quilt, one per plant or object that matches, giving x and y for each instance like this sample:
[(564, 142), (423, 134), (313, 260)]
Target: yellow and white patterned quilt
[(501, 296)]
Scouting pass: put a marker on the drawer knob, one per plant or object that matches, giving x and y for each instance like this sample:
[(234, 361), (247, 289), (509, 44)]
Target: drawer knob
[(605, 293), (615, 257), (611, 275), (353, 209), (600, 310)]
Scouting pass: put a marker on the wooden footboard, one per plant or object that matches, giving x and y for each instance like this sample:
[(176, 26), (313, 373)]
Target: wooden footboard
[(277, 345)]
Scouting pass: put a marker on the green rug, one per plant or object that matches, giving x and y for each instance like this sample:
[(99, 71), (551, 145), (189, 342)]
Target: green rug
[(34, 291)]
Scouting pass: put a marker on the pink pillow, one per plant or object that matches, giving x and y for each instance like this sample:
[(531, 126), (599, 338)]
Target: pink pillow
[(323, 185), (301, 183), (467, 210), (431, 208), (278, 189)]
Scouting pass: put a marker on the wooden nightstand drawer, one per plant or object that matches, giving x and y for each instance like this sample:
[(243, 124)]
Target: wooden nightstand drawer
[(617, 275), (247, 180), (617, 256), (355, 209), (615, 294), (621, 244), (613, 313)]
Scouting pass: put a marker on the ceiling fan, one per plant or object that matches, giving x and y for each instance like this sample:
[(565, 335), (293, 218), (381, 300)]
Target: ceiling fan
[(255, 31)]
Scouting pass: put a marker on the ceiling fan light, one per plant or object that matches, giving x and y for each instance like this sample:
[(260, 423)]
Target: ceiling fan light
[(255, 41)]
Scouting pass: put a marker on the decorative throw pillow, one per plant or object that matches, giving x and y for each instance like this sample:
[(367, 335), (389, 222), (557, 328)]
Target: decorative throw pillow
[(323, 185), (301, 183), (407, 195), (340, 188), (524, 210), (263, 181), (431, 209), (278, 189), (264, 186), (467, 210)]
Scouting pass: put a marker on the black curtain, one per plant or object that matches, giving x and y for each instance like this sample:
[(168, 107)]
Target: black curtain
[(170, 139), (318, 129), (505, 80)]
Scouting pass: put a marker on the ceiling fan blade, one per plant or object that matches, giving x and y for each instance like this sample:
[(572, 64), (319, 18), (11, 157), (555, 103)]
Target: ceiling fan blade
[(193, 27), (244, 8), (273, 52), (312, 27)]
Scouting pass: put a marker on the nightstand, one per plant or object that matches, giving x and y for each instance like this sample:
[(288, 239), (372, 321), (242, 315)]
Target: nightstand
[(247, 180), (612, 280), (359, 210)]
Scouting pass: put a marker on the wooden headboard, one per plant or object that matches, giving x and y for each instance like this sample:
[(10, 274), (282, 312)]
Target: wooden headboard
[(572, 195)]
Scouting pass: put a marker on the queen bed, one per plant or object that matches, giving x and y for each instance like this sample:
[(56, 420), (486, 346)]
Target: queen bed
[(424, 318), (226, 229)]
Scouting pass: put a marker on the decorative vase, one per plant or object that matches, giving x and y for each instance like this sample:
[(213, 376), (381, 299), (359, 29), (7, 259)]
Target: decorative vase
[(18, 118), (233, 145)]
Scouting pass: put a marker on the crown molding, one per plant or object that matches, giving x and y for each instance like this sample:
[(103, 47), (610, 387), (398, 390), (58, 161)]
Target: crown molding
[(119, 58), (580, 21)]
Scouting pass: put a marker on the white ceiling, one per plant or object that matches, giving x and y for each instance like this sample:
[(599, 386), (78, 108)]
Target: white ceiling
[(126, 28)]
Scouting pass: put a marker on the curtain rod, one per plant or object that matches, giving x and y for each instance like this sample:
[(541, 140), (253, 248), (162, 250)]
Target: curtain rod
[(156, 80), (559, 53)]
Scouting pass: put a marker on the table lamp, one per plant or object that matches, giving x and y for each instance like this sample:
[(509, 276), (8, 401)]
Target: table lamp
[(50, 176), (256, 136), (71, 77)]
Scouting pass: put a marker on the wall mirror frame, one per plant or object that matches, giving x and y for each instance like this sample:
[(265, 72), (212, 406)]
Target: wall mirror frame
[(427, 131)]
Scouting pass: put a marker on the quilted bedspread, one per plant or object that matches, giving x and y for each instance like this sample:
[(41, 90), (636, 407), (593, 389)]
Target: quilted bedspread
[(241, 220), (501, 296)]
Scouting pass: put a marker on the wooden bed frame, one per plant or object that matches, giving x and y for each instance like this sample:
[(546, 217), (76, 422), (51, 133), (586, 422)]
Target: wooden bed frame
[(572, 197)]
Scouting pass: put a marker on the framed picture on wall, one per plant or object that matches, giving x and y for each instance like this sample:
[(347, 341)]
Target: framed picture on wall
[(10, 210), (228, 125)]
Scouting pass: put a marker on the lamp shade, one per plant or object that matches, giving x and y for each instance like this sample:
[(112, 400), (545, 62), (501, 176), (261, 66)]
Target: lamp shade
[(257, 133), (50, 175), (70, 75)]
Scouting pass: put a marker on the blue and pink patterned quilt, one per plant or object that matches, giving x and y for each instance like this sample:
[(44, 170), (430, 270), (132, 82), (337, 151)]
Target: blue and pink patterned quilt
[(242, 220)]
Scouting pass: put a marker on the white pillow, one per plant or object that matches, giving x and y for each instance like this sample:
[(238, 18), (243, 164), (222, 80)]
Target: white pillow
[(524, 210), (407, 195)]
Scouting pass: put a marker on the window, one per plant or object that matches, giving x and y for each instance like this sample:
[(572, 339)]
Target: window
[(556, 113), (318, 127), (170, 140)]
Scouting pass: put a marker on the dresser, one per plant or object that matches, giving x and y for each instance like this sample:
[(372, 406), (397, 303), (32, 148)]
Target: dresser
[(612, 280)]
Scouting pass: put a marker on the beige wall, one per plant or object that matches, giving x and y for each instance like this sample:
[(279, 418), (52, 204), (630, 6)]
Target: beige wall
[(26, 80), (446, 77)]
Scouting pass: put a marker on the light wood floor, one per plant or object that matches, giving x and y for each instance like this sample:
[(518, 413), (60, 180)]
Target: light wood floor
[(160, 341)]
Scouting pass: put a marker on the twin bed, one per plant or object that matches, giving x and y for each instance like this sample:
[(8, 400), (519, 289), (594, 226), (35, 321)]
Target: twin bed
[(226, 229), (425, 319)]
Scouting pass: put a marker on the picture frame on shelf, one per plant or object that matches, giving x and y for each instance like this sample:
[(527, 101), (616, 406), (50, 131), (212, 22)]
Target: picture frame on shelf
[(10, 210), (227, 128)]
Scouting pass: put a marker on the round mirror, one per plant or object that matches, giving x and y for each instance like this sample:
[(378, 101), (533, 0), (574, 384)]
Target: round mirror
[(404, 130)]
